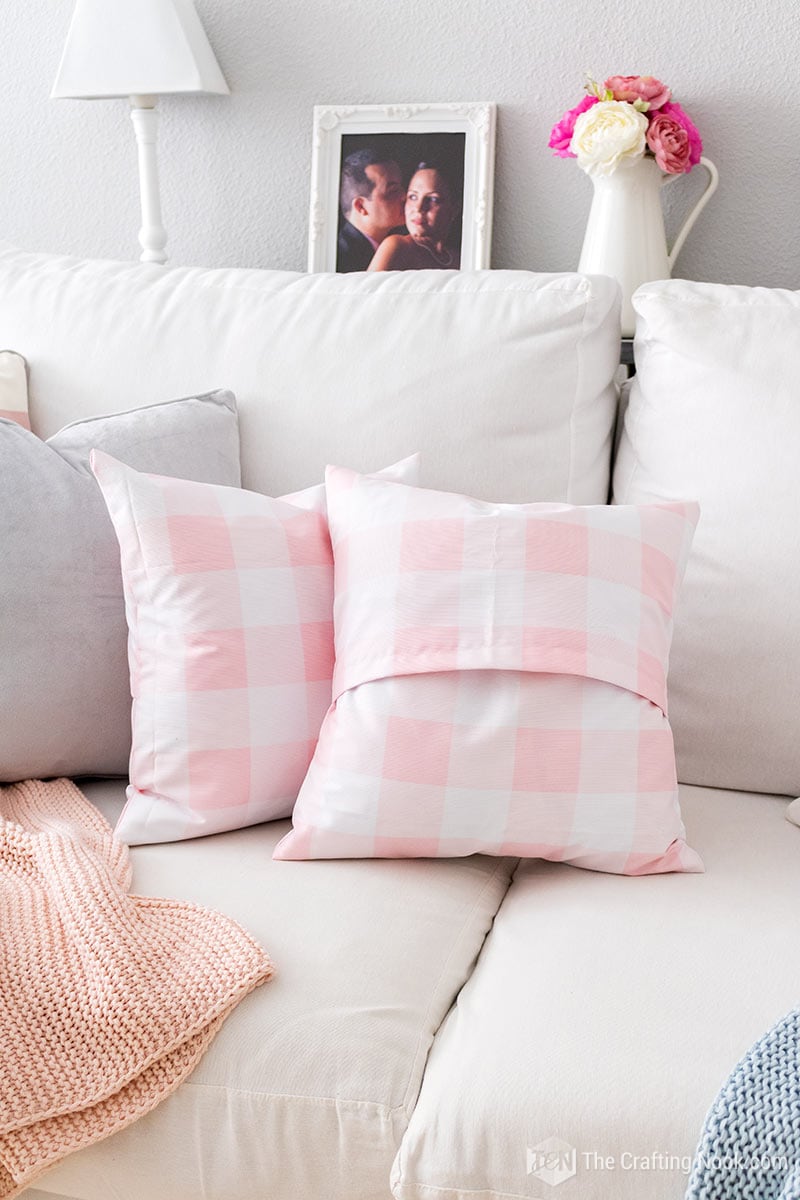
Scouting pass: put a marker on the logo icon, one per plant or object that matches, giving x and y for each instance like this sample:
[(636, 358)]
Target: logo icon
[(553, 1161)]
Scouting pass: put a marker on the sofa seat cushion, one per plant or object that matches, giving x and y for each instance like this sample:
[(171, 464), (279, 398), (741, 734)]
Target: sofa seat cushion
[(307, 1089), (605, 1013)]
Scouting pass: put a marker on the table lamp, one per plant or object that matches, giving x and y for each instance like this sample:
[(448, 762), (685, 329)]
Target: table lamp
[(141, 49)]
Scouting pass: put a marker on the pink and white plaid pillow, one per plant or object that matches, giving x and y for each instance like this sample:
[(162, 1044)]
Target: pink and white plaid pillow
[(228, 597), (500, 682), (14, 388)]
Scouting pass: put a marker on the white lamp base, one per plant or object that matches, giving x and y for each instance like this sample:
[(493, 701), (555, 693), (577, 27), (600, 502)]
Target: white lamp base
[(152, 235)]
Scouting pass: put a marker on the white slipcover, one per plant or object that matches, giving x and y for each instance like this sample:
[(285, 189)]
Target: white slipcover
[(504, 382)]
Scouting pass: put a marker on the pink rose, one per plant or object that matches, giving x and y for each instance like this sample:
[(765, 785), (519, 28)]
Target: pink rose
[(639, 87), (669, 141), (673, 110), (561, 134)]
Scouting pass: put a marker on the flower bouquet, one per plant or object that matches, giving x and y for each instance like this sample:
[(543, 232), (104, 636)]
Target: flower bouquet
[(628, 118), (631, 138)]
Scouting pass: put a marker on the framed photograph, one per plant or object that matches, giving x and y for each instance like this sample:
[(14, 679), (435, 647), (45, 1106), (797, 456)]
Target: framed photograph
[(401, 187)]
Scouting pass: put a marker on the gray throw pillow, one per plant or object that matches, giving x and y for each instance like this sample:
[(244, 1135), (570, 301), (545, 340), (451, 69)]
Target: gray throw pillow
[(65, 701)]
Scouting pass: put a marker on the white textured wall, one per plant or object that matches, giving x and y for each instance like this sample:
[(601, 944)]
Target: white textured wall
[(235, 171)]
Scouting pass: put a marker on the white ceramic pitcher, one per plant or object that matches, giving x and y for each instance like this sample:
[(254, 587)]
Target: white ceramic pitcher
[(625, 234)]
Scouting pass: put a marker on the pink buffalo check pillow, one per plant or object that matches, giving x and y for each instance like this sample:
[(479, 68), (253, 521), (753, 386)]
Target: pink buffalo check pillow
[(229, 599), (500, 682)]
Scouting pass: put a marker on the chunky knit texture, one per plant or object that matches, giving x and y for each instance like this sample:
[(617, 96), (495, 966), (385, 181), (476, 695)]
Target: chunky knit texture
[(750, 1145), (107, 1000)]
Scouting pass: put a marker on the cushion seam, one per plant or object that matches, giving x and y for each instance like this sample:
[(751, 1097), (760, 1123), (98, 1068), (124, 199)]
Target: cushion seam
[(486, 1193), (574, 407), (455, 945), (389, 1110)]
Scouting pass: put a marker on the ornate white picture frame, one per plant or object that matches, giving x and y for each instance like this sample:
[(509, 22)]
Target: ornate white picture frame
[(402, 127)]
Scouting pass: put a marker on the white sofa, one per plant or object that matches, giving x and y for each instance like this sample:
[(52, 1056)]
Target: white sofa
[(434, 1025)]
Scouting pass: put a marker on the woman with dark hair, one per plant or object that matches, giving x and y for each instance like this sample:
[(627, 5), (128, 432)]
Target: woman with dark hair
[(430, 210)]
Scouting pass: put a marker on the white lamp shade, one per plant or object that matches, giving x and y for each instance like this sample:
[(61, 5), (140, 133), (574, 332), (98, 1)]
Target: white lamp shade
[(136, 47)]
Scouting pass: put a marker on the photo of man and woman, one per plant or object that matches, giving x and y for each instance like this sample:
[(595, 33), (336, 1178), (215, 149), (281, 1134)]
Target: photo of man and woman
[(400, 202)]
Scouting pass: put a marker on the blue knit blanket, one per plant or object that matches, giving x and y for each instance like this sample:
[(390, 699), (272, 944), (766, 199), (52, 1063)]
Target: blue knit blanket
[(750, 1145)]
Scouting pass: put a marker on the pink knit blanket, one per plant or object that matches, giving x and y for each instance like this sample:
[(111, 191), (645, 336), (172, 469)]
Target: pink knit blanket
[(107, 1000)]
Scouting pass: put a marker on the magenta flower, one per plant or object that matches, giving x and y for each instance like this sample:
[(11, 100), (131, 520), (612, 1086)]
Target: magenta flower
[(669, 143), (562, 131), (639, 87), (673, 110)]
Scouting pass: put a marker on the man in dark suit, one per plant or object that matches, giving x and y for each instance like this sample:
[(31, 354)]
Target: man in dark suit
[(372, 197)]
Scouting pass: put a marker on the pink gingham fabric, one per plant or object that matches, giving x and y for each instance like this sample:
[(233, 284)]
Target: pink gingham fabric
[(14, 388), (229, 598), (500, 682)]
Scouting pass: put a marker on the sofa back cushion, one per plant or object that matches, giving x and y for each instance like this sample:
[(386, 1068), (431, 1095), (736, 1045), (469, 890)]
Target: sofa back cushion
[(502, 378), (714, 414)]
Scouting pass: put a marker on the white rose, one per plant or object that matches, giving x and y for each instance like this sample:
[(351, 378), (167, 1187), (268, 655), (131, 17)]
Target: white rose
[(608, 134)]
